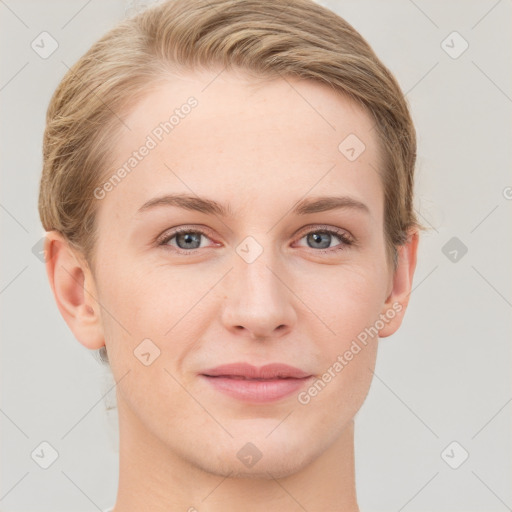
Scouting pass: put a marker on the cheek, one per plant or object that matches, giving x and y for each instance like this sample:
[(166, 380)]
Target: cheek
[(150, 299), (349, 304), (345, 302), (155, 311)]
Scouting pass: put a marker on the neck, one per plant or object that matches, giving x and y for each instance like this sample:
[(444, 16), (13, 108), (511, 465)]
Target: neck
[(153, 478)]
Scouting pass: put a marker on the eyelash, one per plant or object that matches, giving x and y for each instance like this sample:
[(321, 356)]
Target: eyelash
[(344, 238)]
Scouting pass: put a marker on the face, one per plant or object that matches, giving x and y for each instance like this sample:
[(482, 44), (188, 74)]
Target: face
[(269, 273)]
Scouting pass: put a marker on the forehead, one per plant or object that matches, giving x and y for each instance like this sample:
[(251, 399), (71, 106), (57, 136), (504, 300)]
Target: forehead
[(244, 141)]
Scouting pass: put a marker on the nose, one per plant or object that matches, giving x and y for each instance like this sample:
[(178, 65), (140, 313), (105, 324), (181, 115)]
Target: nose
[(258, 299)]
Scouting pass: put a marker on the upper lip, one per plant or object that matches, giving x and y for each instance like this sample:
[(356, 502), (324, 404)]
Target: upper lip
[(269, 371)]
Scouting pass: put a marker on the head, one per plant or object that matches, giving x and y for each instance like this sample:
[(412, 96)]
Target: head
[(262, 108)]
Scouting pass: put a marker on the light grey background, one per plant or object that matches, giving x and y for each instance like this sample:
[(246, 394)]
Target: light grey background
[(443, 377)]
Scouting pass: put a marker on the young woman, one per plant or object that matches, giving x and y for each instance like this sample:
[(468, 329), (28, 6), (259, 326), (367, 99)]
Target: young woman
[(228, 198)]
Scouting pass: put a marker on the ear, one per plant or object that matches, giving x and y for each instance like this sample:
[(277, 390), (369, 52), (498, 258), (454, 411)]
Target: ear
[(400, 287), (74, 290)]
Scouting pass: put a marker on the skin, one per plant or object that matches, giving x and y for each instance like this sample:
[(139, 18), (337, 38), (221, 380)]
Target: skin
[(261, 148)]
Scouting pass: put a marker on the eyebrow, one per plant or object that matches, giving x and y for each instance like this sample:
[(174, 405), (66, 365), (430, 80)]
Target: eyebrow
[(211, 207)]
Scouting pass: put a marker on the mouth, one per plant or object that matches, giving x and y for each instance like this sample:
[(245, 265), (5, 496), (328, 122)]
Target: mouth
[(248, 371), (248, 383), (241, 377)]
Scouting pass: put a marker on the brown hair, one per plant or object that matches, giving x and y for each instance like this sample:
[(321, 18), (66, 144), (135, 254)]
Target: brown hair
[(266, 38)]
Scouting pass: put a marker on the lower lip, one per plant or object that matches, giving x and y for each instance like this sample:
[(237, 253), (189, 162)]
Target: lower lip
[(256, 390)]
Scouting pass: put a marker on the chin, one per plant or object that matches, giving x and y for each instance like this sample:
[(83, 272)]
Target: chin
[(272, 468), (272, 458)]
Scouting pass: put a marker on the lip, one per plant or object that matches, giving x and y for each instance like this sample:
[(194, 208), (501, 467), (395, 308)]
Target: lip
[(269, 371), (256, 384)]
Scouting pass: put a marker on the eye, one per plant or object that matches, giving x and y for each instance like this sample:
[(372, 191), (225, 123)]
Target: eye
[(321, 238), (185, 239)]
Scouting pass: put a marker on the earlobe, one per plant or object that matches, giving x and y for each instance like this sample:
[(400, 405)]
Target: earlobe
[(397, 301), (73, 287)]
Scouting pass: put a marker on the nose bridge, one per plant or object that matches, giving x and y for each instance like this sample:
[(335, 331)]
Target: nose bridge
[(257, 300)]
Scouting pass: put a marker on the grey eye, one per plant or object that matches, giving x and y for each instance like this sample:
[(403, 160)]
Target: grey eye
[(188, 240), (319, 240)]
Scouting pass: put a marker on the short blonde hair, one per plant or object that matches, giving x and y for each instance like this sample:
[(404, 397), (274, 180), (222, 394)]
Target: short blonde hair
[(266, 38)]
